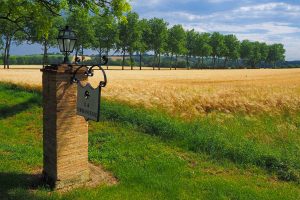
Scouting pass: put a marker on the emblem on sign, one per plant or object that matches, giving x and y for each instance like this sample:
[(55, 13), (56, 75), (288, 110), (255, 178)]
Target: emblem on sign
[(89, 98), (88, 101)]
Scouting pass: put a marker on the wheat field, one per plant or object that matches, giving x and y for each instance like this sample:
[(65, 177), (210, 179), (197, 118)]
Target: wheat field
[(190, 93)]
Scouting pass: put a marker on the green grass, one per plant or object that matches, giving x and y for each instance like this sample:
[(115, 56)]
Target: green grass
[(155, 156), (270, 142)]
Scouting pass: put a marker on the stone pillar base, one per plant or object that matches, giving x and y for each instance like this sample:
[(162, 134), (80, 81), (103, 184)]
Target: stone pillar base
[(81, 179)]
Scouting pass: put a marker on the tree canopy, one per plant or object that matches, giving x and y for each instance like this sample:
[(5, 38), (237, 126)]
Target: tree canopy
[(106, 25)]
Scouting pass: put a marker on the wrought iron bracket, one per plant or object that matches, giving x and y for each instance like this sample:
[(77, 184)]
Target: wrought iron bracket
[(89, 72)]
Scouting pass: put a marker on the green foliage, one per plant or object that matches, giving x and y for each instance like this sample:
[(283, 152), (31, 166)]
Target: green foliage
[(232, 48), (218, 46), (106, 33), (129, 35), (176, 42), (80, 21), (276, 53), (158, 35), (203, 49), (191, 37), (143, 42), (108, 25)]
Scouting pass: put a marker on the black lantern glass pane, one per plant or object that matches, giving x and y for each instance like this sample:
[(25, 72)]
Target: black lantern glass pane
[(72, 45), (67, 45), (61, 45), (61, 34)]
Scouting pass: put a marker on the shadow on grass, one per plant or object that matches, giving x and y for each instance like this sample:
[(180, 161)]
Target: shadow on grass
[(9, 111), (20, 186)]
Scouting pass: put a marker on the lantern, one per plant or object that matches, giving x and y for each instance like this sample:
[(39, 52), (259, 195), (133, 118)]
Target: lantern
[(66, 41)]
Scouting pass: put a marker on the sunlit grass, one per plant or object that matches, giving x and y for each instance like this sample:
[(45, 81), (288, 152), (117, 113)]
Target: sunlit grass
[(156, 156)]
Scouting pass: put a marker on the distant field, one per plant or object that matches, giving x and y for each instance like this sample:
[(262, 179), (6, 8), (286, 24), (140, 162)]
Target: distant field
[(191, 93)]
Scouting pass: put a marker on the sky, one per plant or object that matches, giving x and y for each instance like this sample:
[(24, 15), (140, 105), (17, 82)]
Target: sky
[(270, 21)]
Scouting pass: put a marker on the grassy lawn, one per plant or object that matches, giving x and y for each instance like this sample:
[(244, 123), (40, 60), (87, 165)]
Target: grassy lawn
[(156, 156)]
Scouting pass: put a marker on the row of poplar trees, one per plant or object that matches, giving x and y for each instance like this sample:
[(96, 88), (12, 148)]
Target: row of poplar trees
[(130, 36)]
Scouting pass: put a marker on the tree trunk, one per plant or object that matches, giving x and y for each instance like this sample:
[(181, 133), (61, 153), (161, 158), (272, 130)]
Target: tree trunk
[(8, 53), (4, 54), (100, 53), (187, 61), (198, 63), (107, 50), (225, 62), (171, 61), (76, 53), (215, 60), (82, 53), (107, 58), (140, 60), (154, 60), (159, 61), (176, 61), (131, 63), (45, 56), (123, 62), (5, 61)]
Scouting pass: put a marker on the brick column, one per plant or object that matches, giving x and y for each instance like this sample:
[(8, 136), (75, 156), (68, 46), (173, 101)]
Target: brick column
[(65, 134)]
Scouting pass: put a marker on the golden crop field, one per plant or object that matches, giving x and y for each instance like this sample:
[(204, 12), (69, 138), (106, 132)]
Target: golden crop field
[(191, 93)]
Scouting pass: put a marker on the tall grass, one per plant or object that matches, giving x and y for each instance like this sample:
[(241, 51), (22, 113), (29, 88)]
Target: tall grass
[(226, 141), (267, 141)]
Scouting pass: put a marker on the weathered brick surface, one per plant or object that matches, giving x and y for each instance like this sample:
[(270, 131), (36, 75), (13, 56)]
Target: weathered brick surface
[(65, 134)]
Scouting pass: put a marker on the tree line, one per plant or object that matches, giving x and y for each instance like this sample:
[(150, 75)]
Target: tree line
[(128, 35)]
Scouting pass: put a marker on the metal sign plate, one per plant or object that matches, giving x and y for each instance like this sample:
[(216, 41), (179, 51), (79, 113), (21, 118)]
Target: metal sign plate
[(88, 101)]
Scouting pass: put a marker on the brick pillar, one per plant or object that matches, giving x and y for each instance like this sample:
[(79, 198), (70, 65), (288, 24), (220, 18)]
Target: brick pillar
[(65, 134)]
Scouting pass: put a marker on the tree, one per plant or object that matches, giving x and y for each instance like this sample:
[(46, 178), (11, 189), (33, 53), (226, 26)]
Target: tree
[(1, 44), (20, 15), (176, 42), (20, 10), (251, 53), (276, 54), (12, 23), (203, 49), (134, 35), (9, 32), (264, 51), (191, 39), (218, 46), (123, 40), (106, 34), (246, 50), (143, 41), (81, 24), (48, 37), (128, 36), (231, 49), (158, 36), (255, 56)]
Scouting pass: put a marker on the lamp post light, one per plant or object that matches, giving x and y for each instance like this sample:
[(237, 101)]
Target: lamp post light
[(66, 41)]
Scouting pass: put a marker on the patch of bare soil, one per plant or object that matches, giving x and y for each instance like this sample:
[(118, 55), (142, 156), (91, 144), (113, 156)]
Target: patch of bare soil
[(98, 175)]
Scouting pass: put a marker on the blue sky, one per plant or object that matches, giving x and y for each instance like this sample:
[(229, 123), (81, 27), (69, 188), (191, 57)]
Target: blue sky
[(270, 21)]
